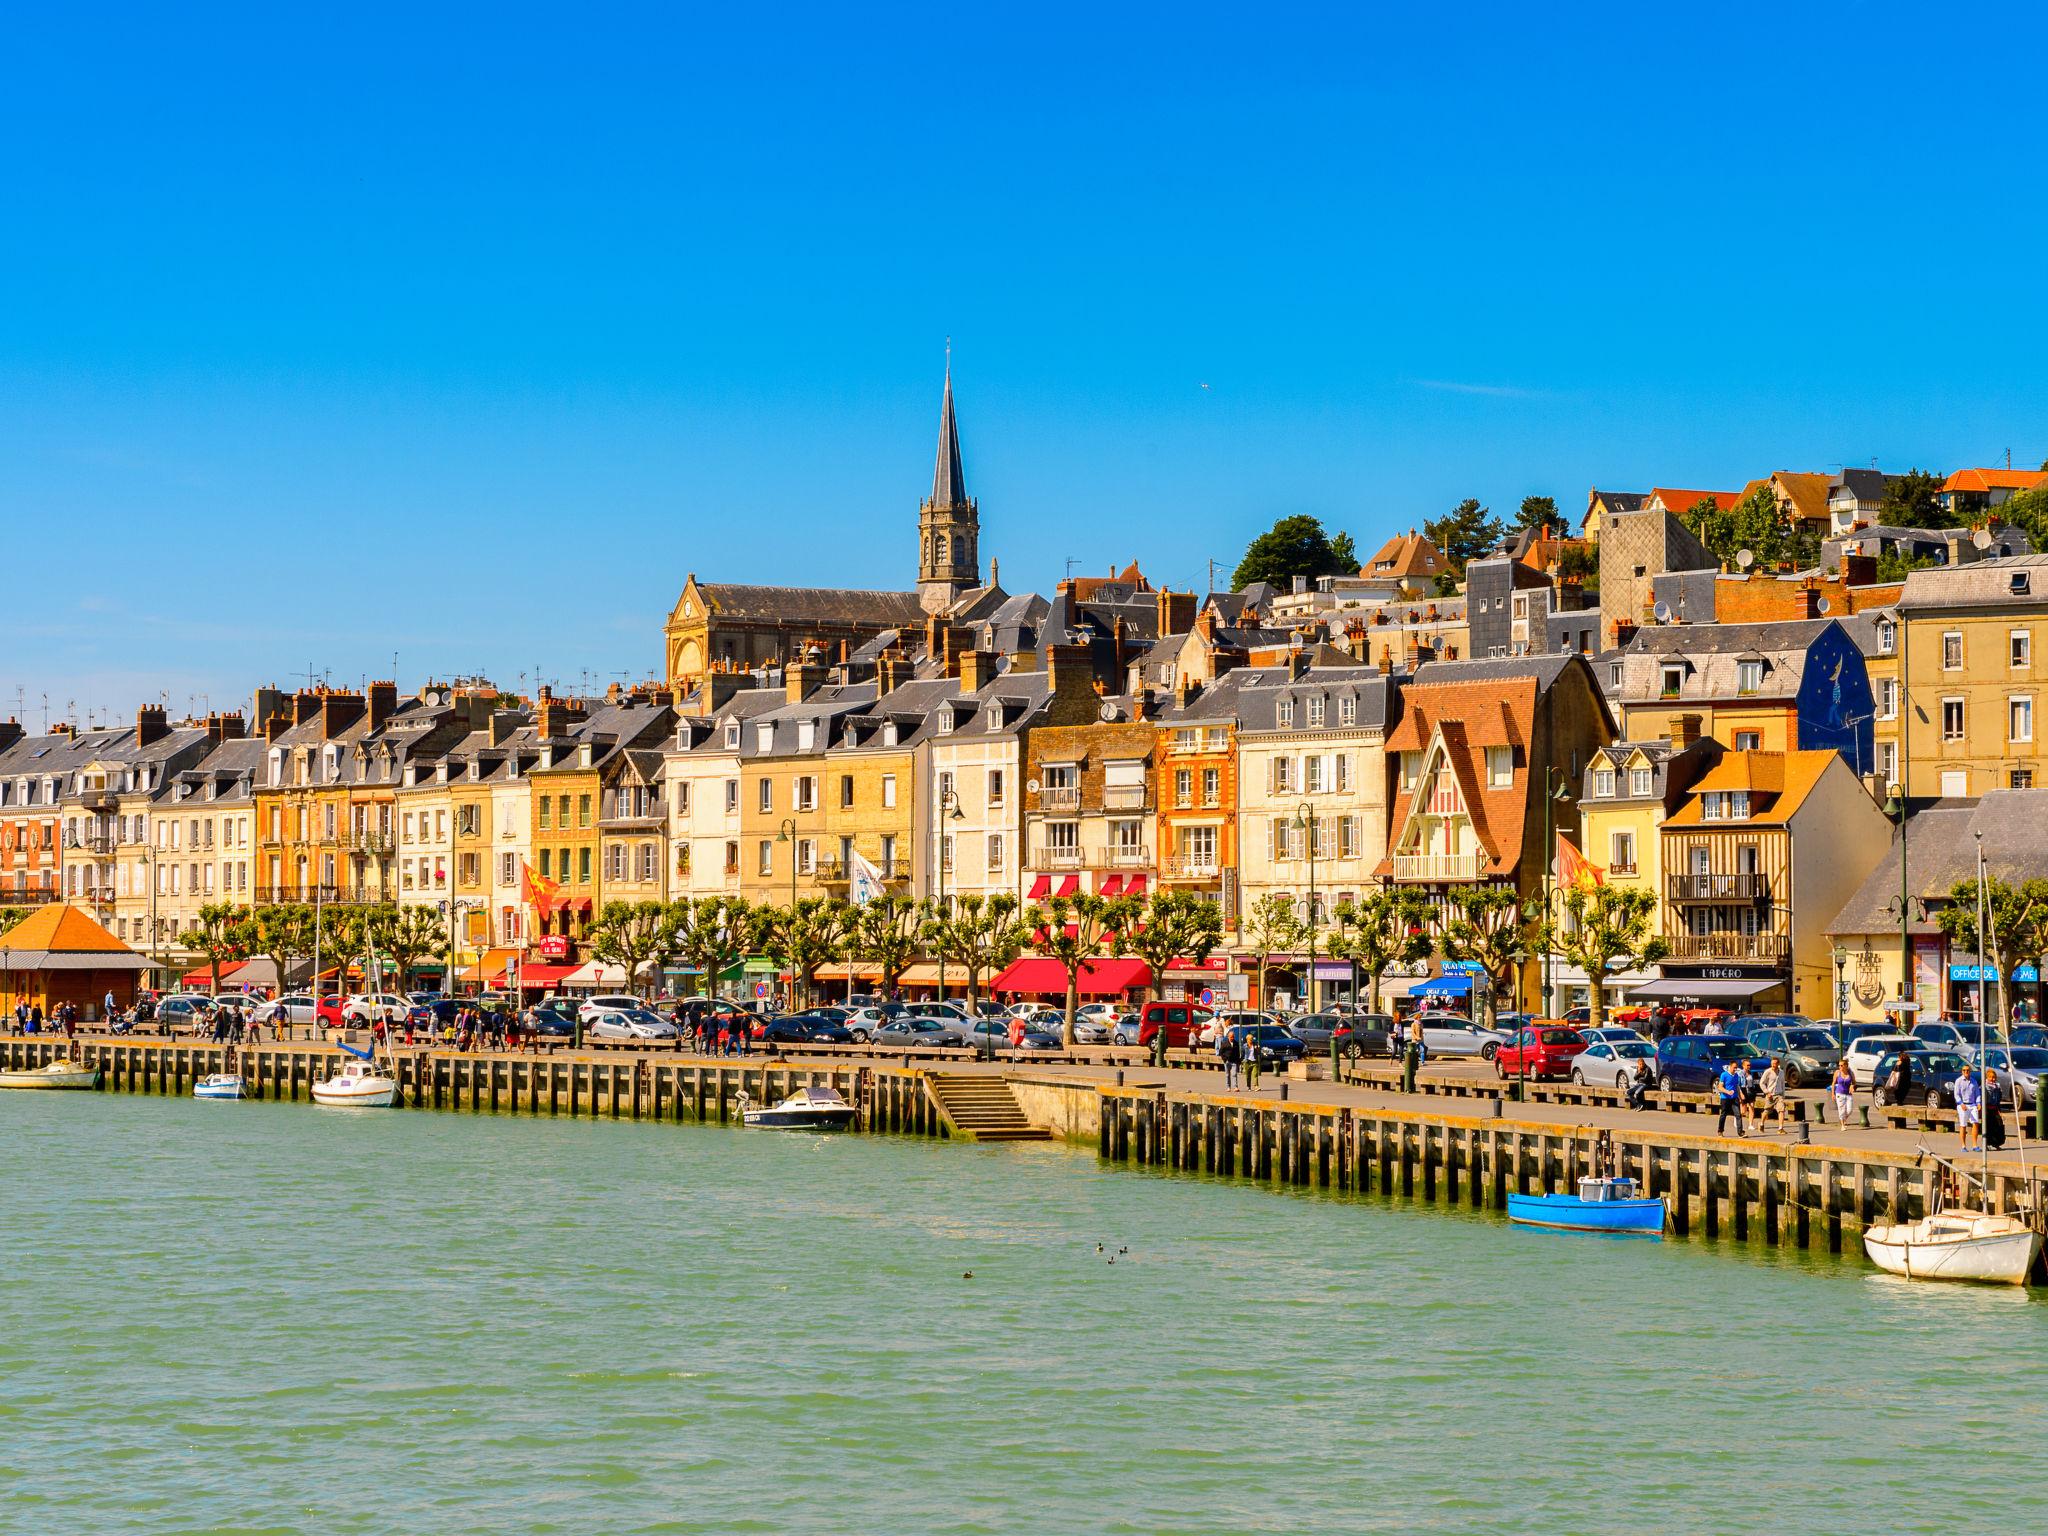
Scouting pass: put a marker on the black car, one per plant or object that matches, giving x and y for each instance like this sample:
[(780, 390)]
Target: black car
[(555, 1020), (1932, 1079), (801, 1029), (1357, 1036), (432, 1016), (1272, 1043)]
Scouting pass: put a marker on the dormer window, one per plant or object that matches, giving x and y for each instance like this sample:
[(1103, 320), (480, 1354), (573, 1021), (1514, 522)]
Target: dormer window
[(1671, 679), (1284, 715), (764, 736), (1315, 709), (330, 763), (276, 765), (889, 733), (945, 722), (732, 735), (1749, 676), (806, 735), (1603, 783), (1347, 710)]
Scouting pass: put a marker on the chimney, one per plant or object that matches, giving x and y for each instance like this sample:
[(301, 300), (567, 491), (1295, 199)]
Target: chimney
[(892, 671), (150, 724), (305, 705), (1859, 571), (1685, 730), (977, 670), (268, 703), (1184, 689), (717, 688), (955, 640), (338, 711), (1145, 704), (802, 678), (383, 703), (220, 728), (1300, 585), (548, 715), (1386, 658), (611, 694), (1176, 612), (1205, 625), (1071, 672), (504, 723), (10, 733)]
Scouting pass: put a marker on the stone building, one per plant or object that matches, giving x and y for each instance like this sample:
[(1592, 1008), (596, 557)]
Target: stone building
[(1637, 546)]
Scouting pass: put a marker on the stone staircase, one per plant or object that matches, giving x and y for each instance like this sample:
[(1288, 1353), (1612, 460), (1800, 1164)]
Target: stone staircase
[(980, 1107)]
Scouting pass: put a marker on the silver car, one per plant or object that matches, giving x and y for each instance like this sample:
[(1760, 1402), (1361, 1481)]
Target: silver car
[(628, 1024), (1611, 1063), (2020, 1068), (1450, 1034)]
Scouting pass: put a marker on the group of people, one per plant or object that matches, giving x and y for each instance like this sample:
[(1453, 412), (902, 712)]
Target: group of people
[(29, 1018)]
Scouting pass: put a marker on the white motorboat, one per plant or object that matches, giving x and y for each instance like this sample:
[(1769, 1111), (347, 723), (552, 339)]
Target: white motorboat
[(218, 1085), (808, 1109), (357, 1085), (1960, 1243), (52, 1074)]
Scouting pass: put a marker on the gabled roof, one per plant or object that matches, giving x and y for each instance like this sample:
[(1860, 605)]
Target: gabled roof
[(1994, 480), (1497, 816), (1406, 556), (1808, 493), (796, 605), (1787, 777), (1617, 501), (1678, 503)]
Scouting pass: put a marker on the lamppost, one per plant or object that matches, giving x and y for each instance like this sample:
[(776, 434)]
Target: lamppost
[(1556, 790), (1841, 959), (1305, 818), (1895, 807), (947, 806), (455, 906), (787, 834)]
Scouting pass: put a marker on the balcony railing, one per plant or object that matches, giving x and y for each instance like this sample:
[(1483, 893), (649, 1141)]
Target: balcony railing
[(1193, 866), (840, 871), (1045, 857), (371, 843), (1125, 797), (1060, 797), (1749, 886), (1123, 855), (1439, 866), (1762, 947), (35, 897), (90, 842)]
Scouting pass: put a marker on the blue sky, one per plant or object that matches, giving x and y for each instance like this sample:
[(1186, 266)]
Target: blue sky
[(463, 334)]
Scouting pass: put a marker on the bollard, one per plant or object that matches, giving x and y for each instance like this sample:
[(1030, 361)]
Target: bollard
[(2041, 1115), (1336, 1067), (1283, 1091), (1496, 1106), (1119, 1077)]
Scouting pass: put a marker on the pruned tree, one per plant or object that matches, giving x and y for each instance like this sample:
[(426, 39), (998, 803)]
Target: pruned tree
[(709, 933), (886, 934), (282, 933), (1382, 928), (629, 934), (1600, 927), (809, 934), (2016, 932), (1489, 926), (981, 935), (1170, 926), (1271, 926), (224, 934), (1076, 931), (403, 935)]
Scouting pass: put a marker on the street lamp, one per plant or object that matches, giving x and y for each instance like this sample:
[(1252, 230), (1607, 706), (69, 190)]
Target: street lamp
[(788, 835), (948, 809), (1305, 818), (1556, 790), (1895, 807), (1841, 959)]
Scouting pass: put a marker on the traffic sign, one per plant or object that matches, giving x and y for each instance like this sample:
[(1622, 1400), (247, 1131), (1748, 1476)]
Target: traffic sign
[(761, 989), (1208, 997)]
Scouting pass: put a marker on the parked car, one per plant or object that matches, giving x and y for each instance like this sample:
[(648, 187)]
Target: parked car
[(1692, 1063), (1931, 1078), (1806, 1054), (1270, 1042), (420, 999), (1314, 1030), (1208, 1031), (1452, 1034), (552, 1018), (628, 1024), (1542, 1050), (183, 1013), (1955, 1034), (1183, 1023), (1093, 1029), (1867, 1051), (606, 1002), (433, 1014), (2019, 1068), (1745, 1025), (1849, 1031), (292, 1008), (863, 1022), (1107, 1012), (1613, 1034), (939, 1011), (803, 1029), (907, 1029), (1611, 1063), (360, 1009), (2031, 1035)]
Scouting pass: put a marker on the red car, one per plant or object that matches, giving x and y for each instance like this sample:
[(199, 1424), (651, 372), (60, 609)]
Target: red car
[(1540, 1050)]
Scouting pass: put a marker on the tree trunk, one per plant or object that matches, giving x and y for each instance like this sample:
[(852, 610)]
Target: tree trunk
[(1073, 1002), (1596, 991)]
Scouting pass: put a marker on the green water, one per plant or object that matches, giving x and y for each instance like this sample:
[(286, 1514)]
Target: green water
[(264, 1317)]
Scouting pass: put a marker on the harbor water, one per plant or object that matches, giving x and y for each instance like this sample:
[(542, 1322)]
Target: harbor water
[(265, 1317)]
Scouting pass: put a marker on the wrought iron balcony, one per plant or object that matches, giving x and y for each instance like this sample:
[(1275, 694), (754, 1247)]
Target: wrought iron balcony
[(1738, 887)]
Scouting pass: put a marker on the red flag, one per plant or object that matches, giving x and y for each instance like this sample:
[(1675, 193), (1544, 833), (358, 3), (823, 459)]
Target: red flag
[(1572, 867)]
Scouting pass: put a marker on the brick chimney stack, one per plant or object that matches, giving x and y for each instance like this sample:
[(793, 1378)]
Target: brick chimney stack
[(383, 703), (977, 670), (151, 724), (803, 677), (1176, 611), (224, 727), (892, 671), (305, 705), (1070, 673), (338, 711), (1685, 730), (10, 733)]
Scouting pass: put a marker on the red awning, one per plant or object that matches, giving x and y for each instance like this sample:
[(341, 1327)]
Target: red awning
[(1040, 888), (1099, 978), (536, 973), (1111, 886), (205, 972), (1135, 886), (577, 904), (1069, 884)]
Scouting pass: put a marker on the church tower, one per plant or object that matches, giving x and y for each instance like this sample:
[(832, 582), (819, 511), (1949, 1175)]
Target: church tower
[(949, 523)]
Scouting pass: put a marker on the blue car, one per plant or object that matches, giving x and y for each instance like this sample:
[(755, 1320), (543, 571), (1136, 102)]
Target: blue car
[(1692, 1063), (1271, 1043)]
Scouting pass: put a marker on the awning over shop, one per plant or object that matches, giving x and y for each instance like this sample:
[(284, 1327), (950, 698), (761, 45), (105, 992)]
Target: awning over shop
[(538, 973), (596, 973), (204, 974), (1112, 885), (840, 970), (1040, 889), (1707, 988), (491, 968), (1098, 978), (926, 974), (1135, 886), (1069, 885)]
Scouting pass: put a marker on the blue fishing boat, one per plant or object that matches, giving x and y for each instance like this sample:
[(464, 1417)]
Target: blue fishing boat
[(1601, 1205)]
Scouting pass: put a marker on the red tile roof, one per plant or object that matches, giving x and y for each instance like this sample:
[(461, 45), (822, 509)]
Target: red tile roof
[(1472, 717), (1994, 480)]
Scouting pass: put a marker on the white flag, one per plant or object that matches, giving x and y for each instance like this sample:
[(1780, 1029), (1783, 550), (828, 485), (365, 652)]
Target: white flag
[(864, 881)]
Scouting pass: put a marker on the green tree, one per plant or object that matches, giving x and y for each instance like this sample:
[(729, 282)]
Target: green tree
[(1489, 927), (1464, 533), (1294, 546), (1272, 925), (1076, 930), (224, 933), (1758, 524), (1602, 927), (1580, 563), (1382, 928), (2018, 928), (981, 935), (1170, 926), (1913, 500), (810, 934), (2027, 511), (629, 934), (708, 934), (1540, 514), (886, 933), (9, 916), (283, 933), (403, 935)]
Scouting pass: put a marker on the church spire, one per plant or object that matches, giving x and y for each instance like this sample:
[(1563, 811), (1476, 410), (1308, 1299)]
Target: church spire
[(949, 481)]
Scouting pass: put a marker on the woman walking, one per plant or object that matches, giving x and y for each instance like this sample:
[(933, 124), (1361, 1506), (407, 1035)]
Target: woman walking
[(1844, 1087)]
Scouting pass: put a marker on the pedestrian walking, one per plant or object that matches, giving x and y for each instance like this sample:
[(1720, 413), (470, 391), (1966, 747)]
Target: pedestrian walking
[(1969, 1106), (1771, 1094), (1844, 1086), (1994, 1110), (1226, 1052), (1728, 1098)]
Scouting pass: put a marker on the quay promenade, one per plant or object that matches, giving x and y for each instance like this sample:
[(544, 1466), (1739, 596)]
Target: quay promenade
[(1463, 1142)]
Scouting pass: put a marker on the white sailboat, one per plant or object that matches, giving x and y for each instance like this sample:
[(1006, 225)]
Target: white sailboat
[(52, 1074), (1961, 1243), (357, 1084)]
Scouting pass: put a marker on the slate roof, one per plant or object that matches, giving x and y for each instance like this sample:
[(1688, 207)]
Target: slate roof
[(1253, 694), (1941, 850), (1979, 583), (798, 605), (1546, 670), (1712, 654)]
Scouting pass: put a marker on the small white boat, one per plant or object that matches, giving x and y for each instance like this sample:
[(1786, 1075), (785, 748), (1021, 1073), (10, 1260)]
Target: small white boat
[(218, 1085), (1960, 1243), (52, 1074), (808, 1109), (357, 1085)]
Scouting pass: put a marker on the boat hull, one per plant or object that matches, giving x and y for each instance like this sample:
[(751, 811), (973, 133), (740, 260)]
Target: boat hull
[(1568, 1213), (800, 1119), (43, 1077), (219, 1086), (363, 1093), (1989, 1258)]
